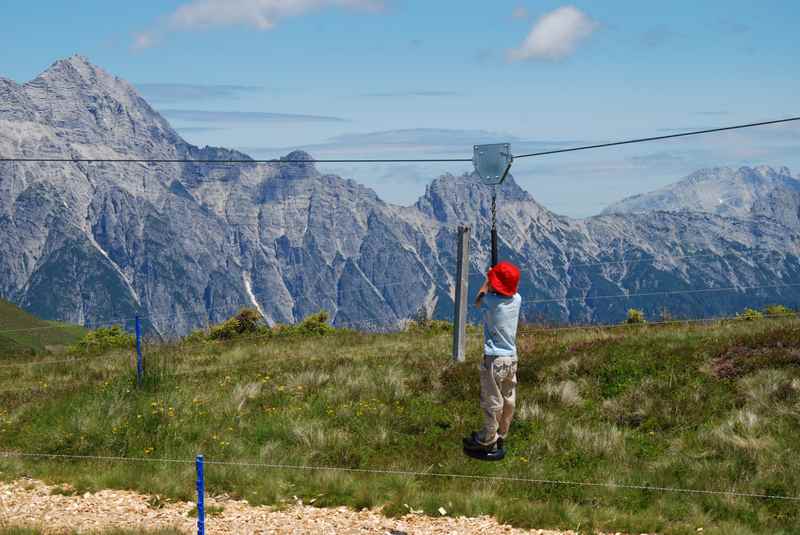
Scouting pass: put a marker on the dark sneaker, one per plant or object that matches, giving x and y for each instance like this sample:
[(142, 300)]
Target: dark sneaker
[(472, 443), (500, 442)]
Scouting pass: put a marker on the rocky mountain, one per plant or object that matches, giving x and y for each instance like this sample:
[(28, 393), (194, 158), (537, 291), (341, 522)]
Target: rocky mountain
[(745, 192), (184, 244)]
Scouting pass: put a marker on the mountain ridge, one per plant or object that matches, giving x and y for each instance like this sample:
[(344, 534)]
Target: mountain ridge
[(188, 244), (744, 192)]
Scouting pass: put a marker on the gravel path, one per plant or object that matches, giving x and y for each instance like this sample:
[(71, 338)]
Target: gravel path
[(27, 502)]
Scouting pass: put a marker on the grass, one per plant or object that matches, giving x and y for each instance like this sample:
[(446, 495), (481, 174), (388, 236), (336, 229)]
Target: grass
[(48, 336), (701, 406)]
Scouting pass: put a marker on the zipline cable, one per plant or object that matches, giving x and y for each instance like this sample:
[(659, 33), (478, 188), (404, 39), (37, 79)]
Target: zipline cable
[(239, 161), (657, 138), (394, 160)]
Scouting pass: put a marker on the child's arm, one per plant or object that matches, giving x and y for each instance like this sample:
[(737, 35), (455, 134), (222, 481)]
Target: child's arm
[(483, 291)]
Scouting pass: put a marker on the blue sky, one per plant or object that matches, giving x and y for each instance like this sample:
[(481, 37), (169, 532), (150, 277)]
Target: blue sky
[(267, 76)]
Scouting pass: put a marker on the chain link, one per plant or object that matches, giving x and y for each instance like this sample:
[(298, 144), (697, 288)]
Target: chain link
[(494, 207)]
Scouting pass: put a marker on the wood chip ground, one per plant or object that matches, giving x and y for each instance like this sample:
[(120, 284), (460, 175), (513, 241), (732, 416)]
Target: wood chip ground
[(32, 503)]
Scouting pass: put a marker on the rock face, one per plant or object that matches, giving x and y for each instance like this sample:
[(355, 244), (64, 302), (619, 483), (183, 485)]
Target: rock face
[(745, 192), (190, 243)]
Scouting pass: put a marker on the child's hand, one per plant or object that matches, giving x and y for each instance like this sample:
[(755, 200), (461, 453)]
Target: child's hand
[(483, 291)]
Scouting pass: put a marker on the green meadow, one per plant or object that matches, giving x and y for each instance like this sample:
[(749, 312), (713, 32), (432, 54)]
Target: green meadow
[(699, 406)]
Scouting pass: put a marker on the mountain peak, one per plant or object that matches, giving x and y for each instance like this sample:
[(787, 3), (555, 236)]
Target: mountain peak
[(766, 171), (78, 61), (742, 192), (463, 198), (76, 78), (92, 107), (296, 168), (75, 67)]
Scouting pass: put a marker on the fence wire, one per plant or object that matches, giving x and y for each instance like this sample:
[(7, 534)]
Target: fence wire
[(407, 473)]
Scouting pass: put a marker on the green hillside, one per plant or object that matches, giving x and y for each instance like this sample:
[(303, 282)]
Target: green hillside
[(23, 333), (704, 407)]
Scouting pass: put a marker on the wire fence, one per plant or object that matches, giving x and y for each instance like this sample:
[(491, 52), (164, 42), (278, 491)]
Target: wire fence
[(404, 473), (183, 348), (382, 326)]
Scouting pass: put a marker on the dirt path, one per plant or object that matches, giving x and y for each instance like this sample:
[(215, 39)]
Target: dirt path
[(28, 502)]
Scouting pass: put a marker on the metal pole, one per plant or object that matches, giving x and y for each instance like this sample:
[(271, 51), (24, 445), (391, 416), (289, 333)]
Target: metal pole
[(462, 281), (201, 492), (139, 359), (494, 226)]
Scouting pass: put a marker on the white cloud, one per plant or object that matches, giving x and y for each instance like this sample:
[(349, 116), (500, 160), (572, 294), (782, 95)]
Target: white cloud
[(555, 35), (259, 14), (520, 12)]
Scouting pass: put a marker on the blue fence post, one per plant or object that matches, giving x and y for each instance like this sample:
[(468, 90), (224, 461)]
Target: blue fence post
[(201, 492), (139, 360)]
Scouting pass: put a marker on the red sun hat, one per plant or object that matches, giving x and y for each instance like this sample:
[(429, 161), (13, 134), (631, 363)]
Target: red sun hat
[(504, 278)]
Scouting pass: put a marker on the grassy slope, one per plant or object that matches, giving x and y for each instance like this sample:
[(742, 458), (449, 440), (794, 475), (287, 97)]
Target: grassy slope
[(711, 407), (13, 318)]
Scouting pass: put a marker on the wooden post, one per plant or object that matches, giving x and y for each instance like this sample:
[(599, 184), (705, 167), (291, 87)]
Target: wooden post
[(462, 280)]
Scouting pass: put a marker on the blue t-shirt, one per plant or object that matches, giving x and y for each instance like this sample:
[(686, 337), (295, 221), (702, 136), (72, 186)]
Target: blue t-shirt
[(500, 319)]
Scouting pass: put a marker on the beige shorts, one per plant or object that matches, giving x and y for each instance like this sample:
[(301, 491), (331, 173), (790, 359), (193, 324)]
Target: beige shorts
[(498, 396)]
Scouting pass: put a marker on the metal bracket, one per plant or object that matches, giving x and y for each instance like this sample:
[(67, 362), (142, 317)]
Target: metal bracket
[(492, 162)]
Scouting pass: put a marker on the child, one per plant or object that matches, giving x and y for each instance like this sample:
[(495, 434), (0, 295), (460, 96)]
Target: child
[(500, 303)]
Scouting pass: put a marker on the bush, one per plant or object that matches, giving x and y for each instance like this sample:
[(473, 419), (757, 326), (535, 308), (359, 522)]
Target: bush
[(750, 314), (421, 323), (195, 337), (245, 322), (778, 311), (313, 325), (429, 326), (104, 339), (635, 316)]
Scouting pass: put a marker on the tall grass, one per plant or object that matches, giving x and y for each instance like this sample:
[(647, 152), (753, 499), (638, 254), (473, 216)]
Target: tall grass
[(706, 407)]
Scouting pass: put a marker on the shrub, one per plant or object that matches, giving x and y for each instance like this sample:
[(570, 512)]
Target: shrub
[(429, 326), (778, 311), (104, 339), (245, 322), (750, 314), (421, 323), (313, 325), (195, 337), (635, 316)]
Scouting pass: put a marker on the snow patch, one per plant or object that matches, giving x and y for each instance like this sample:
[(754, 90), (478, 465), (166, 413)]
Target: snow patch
[(128, 282), (248, 287), (431, 300)]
